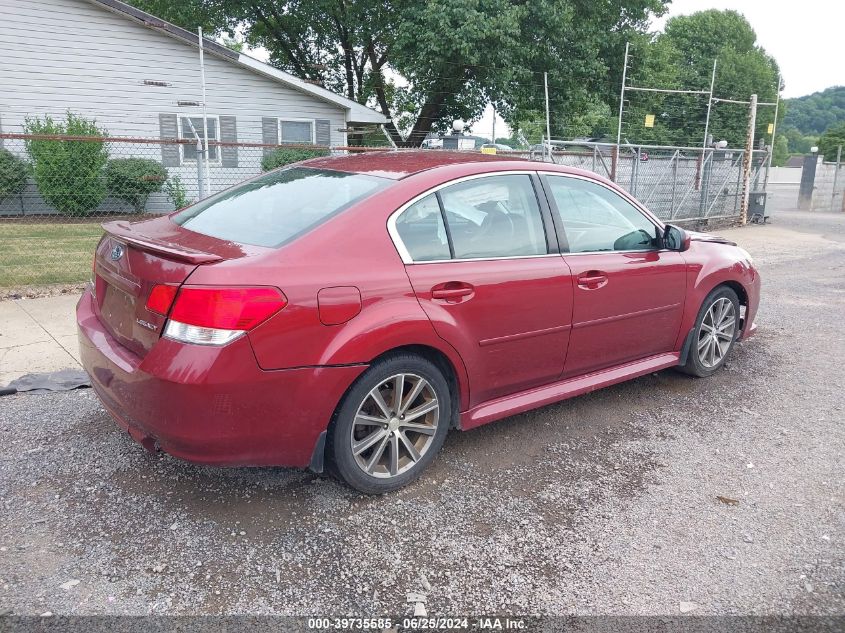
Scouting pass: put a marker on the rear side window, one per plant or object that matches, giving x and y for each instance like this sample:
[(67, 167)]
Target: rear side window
[(278, 207), (494, 216), (422, 230)]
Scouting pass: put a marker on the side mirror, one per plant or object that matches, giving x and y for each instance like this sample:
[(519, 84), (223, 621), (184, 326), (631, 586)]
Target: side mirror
[(675, 238)]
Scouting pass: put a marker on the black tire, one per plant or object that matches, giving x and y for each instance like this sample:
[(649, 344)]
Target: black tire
[(343, 430), (694, 364)]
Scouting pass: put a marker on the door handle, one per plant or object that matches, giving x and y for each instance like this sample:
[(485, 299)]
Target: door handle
[(592, 279), (452, 291)]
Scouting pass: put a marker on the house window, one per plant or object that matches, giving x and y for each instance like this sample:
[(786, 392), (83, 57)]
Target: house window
[(296, 131), (189, 152)]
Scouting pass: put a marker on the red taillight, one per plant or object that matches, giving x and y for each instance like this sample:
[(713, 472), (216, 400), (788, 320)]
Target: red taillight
[(226, 308), (161, 298)]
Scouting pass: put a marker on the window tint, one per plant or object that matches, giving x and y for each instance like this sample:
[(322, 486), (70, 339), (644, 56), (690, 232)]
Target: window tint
[(295, 131), (597, 219), (422, 231), (189, 152), (494, 216), (278, 207)]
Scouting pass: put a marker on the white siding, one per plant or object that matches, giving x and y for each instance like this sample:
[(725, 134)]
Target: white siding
[(61, 55), (70, 54)]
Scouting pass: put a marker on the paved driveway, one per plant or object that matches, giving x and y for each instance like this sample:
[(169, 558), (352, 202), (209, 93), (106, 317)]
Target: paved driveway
[(603, 504)]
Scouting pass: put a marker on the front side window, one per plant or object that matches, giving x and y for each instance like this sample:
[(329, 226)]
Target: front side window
[(595, 218), (494, 216), (296, 131), (422, 231), (189, 152), (278, 207)]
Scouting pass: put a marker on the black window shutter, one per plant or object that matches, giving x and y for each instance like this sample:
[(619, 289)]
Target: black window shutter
[(228, 134), (323, 132), (168, 125), (269, 132)]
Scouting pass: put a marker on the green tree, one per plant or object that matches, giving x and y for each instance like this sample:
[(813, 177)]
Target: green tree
[(799, 143), (780, 152), (453, 56), (833, 137), (68, 173), (813, 114), (682, 57)]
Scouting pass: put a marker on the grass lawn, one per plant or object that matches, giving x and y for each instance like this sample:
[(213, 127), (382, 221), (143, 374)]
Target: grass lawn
[(38, 253)]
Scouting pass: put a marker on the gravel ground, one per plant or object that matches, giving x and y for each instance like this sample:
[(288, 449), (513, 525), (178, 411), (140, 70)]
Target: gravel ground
[(605, 504)]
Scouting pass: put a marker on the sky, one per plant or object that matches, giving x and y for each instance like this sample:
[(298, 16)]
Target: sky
[(804, 36)]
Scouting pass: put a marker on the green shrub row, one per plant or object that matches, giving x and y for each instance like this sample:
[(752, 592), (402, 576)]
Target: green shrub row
[(287, 155), (76, 176)]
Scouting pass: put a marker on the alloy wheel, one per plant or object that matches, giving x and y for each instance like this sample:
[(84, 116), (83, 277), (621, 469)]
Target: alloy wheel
[(717, 331), (395, 425)]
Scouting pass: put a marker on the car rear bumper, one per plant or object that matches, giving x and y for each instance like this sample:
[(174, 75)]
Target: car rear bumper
[(211, 405)]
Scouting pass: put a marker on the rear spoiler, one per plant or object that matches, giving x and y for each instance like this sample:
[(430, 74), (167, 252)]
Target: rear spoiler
[(123, 231)]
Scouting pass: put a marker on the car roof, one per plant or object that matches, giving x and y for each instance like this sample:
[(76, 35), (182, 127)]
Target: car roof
[(397, 164)]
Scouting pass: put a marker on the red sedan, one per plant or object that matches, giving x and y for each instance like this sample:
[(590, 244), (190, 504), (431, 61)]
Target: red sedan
[(351, 310)]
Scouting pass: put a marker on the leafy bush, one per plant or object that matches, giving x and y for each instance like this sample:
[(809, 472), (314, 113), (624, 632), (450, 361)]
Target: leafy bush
[(833, 137), (287, 155), (68, 174), (134, 179), (12, 174), (175, 190)]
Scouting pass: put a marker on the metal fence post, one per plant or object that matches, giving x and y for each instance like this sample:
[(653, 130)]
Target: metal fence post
[(747, 160), (706, 168), (200, 175), (835, 178), (635, 172), (621, 106), (674, 180)]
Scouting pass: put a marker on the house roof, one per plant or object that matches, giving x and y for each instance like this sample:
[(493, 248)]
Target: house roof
[(356, 113)]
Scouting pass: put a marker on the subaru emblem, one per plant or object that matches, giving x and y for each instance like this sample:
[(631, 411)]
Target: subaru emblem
[(116, 252)]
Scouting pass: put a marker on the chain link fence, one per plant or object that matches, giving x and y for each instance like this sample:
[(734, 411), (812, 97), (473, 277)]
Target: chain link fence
[(56, 190), (678, 184), (100, 177)]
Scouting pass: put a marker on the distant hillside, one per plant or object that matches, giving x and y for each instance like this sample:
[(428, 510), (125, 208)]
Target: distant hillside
[(813, 114)]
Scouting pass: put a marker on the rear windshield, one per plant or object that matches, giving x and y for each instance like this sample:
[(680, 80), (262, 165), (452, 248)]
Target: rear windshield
[(278, 207)]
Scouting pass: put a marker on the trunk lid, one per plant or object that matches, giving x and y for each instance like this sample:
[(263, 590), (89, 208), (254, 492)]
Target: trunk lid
[(131, 259)]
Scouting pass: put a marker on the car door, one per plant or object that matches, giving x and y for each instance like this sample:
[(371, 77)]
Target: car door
[(628, 292), (490, 278)]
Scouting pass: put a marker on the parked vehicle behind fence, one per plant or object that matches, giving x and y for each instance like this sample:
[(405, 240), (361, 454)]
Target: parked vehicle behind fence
[(350, 311)]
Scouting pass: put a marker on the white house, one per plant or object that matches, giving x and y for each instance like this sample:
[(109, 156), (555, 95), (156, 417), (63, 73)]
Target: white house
[(139, 77)]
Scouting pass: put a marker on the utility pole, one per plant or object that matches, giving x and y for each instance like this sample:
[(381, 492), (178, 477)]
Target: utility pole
[(204, 114), (493, 140), (709, 105), (748, 160), (774, 137), (548, 120), (621, 106)]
